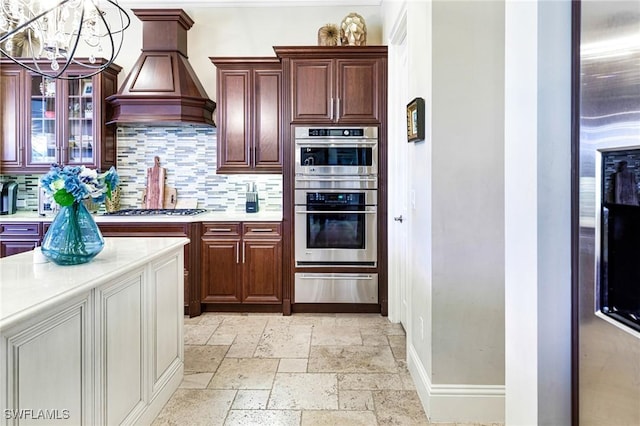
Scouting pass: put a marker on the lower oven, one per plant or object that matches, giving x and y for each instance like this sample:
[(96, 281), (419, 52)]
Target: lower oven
[(336, 227)]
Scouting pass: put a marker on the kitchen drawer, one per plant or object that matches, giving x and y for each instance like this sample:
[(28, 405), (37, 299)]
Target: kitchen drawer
[(262, 229), (20, 229), (220, 229)]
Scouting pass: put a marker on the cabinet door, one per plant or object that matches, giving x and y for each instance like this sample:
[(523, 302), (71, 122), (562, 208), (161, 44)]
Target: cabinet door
[(120, 345), (11, 154), (267, 149), (233, 118), (48, 366), (312, 91), (262, 279), (358, 90), (8, 248), (43, 111), (78, 135), (221, 272), (165, 327)]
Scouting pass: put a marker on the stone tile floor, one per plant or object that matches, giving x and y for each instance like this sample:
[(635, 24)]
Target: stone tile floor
[(303, 369)]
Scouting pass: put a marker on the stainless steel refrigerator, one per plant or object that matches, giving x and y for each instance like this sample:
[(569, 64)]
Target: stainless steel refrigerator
[(607, 224)]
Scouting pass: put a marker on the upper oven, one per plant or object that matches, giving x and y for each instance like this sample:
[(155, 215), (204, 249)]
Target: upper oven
[(336, 152)]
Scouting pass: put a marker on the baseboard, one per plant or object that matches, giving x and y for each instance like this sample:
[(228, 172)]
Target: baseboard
[(456, 403)]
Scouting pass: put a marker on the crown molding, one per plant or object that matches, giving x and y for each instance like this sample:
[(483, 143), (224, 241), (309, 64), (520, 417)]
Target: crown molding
[(246, 3)]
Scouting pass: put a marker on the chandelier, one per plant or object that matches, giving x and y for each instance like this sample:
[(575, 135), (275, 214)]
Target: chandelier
[(45, 36)]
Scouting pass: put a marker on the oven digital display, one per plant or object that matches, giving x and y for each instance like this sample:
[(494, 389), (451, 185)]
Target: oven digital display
[(336, 132), (336, 156)]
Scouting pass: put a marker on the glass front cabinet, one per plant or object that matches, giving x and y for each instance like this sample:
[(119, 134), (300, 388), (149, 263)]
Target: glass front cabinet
[(57, 120)]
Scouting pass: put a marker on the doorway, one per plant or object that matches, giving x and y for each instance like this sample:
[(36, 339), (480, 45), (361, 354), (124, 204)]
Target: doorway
[(398, 257)]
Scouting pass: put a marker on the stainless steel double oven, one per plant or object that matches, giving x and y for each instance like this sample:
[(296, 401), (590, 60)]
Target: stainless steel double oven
[(336, 213)]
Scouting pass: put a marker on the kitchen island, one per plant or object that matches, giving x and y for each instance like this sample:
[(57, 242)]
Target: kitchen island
[(98, 343)]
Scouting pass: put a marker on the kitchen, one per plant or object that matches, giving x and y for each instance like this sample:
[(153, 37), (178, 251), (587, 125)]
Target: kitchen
[(436, 283)]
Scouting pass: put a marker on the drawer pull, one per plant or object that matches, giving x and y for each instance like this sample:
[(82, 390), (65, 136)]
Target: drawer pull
[(261, 230), (220, 230), (20, 229)]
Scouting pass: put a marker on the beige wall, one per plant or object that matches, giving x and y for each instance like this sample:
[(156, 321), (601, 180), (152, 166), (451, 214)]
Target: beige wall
[(247, 31)]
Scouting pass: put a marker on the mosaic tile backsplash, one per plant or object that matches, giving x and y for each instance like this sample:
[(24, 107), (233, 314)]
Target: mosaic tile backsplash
[(188, 154)]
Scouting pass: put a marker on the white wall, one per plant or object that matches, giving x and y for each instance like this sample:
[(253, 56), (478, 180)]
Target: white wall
[(492, 213), (537, 195)]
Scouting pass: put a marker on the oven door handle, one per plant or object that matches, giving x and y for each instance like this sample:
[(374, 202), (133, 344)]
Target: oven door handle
[(334, 179), (336, 211), (334, 277), (357, 143)]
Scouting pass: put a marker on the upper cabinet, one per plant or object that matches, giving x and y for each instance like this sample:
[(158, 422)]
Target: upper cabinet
[(248, 115), (55, 120), (335, 85)]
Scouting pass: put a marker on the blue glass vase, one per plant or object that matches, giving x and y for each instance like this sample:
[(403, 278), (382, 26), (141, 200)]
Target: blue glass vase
[(73, 237)]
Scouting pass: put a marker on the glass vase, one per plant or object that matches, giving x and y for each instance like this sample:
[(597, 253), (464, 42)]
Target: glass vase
[(73, 237)]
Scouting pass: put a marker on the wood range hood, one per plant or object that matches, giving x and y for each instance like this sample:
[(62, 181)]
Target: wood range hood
[(162, 88)]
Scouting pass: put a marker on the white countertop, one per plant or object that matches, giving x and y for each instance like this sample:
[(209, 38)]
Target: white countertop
[(27, 287), (209, 216)]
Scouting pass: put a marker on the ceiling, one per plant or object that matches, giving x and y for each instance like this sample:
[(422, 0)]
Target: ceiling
[(244, 3)]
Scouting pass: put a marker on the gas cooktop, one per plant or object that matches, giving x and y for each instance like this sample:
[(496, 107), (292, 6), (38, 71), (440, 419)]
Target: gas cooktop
[(150, 212)]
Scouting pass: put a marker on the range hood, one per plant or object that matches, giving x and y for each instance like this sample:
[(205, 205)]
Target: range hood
[(162, 87)]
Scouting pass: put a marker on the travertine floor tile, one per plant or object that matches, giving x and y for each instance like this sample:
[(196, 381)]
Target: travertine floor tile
[(355, 400), (323, 335), (196, 380), (397, 341), (244, 373), (399, 408), (211, 319), (197, 334), (303, 369), (249, 399), (334, 418), (388, 329), (374, 340), (263, 417), (285, 342), (352, 359), (293, 365), (243, 325), (203, 358), (244, 346), (219, 339), (369, 381), (196, 407), (304, 391)]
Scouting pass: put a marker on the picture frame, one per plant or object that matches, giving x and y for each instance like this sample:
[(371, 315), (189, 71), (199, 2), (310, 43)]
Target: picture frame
[(87, 88), (415, 120)]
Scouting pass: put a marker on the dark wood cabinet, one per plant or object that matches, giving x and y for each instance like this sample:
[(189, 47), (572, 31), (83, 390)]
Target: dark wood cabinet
[(189, 230), (241, 263), (220, 263), (335, 85), (48, 121), (248, 115), (262, 261), (18, 237)]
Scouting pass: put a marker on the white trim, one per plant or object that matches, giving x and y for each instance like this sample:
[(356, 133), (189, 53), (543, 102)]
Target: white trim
[(397, 36), (456, 403)]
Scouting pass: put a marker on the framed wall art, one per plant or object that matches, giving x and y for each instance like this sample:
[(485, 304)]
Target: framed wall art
[(415, 120)]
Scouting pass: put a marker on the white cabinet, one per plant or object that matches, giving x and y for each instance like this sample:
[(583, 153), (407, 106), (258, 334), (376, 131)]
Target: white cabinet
[(113, 354), (120, 346), (47, 366)]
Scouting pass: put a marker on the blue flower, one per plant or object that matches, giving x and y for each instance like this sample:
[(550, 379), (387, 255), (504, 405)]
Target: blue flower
[(72, 184)]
